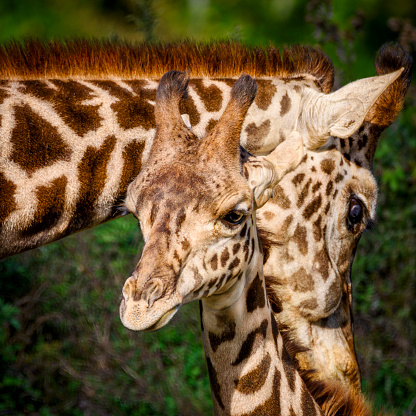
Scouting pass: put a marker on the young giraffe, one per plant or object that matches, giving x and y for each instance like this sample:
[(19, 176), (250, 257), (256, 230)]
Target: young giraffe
[(77, 124), (196, 202), (313, 225)]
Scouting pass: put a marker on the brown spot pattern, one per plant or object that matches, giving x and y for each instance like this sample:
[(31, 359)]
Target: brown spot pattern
[(302, 281), (92, 176), (322, 264), (51, 205), (312, 207), (213, 381), (227, 335), (280, 197), (304, 193), (247, 347), (132, 110), (254, 380), (225, 255), (271, 406), (285, 104), (36, 143), (211, 96), (317, 231), (265, 93), (255, 295), (327, 166), (257, 134), (132, 164), (214, 262), (300, 239)]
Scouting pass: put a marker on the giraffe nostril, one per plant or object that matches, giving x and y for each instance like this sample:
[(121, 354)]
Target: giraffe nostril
[(152, 292), (129, 288)]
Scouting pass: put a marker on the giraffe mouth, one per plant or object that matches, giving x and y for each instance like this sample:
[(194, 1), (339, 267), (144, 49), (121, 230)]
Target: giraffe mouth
[(165, 319)]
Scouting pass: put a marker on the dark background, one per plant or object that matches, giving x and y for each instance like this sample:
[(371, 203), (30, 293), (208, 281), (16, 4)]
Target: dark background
[(63, 350)]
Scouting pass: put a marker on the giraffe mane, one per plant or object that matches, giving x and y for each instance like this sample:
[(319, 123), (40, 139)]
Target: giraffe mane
[(98, 59)]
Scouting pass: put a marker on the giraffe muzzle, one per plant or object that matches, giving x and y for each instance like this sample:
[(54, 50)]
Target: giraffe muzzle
[(148, 309)]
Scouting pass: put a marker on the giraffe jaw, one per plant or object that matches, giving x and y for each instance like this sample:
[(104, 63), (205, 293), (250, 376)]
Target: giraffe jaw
[(163, 320), (137, 316)]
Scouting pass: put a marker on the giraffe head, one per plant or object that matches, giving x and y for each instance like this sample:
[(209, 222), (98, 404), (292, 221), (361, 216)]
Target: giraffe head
[(196, 201), (320, 210)]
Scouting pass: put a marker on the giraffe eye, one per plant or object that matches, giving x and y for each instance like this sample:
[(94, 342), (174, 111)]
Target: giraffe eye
[(355, 213), (234, 218)]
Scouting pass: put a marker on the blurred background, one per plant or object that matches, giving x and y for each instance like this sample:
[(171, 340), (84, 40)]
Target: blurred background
[(63, 350)]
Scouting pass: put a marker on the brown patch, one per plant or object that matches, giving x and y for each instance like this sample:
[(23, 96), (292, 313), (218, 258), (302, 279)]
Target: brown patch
[(36, 143), (213, 381), (234, 263), (185, 244), (308, 404), (211, 124), (299, 238), (51, 205), (298, 179), (285, 105), (214, 262), (254, 380), (132, 110), (289, 369), (225, 255), (317, 229), (338, 178), (329, 188), (227, 335), (304, 193), (316, 186), (280, 197), (211, 96), (257, 135), (272, 405), (236, 248), (265, 93), (312, 207), (268, 215), (302, 281), (333, 296), (92, 175), (249, 343), (310, 304), (255, 295), (322, 261), (132, 164), (67, 100), (327, 166), (187, 106), (8, 203)]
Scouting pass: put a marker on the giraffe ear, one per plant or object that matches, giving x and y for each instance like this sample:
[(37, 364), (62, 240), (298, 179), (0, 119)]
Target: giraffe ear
[(341, 113), (264, 172)]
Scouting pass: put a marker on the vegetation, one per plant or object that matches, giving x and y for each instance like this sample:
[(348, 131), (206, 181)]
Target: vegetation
[(63, 350)]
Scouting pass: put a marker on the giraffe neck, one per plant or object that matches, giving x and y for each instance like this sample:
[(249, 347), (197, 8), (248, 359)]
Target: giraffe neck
[(71, 147), (249, 369)]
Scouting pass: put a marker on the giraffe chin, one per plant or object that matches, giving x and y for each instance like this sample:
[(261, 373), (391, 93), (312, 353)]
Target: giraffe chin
[(165, 319), (133, 318)]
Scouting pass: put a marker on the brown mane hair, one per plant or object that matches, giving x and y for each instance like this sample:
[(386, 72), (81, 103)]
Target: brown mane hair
[(98, 59)]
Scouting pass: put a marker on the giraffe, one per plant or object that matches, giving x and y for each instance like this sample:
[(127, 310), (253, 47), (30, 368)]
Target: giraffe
[(197, 214), (311, 229), (77, 124)]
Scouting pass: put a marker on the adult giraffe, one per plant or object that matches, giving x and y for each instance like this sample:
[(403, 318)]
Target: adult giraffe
[(77, 124), (196, 201)]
